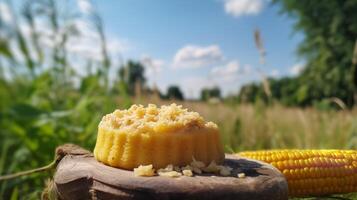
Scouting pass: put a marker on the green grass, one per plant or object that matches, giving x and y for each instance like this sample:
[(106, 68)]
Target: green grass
[(32, 132), (253, 127)]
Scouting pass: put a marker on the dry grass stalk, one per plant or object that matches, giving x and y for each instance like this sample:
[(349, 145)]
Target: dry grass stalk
[(260, 46), (354, 55), (338, 102)]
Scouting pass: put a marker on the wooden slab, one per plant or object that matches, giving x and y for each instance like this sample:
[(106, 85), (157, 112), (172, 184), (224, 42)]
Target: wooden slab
[(80, 176)]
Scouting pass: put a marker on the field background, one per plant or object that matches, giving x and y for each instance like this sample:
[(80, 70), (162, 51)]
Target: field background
[(44, 102)]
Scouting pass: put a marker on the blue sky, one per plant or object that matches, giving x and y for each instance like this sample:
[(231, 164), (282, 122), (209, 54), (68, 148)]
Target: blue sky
[(190, 43), (221, 36)]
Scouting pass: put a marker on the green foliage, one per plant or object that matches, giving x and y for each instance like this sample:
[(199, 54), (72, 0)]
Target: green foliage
[(251, 92), (207, 93), (4, 49), (43, 107), (329, 37), (132, 74), (174, 92)]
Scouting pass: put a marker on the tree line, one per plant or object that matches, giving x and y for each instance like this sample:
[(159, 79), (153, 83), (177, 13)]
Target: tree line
[(329, 48)]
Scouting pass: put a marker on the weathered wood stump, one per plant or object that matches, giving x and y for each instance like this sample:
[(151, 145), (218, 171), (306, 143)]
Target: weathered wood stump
[(80, 176)]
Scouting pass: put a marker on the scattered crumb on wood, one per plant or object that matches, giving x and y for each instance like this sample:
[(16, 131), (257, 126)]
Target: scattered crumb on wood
[(187, 172), (144, 170), (172, 174), (196, 167), (241, 175)]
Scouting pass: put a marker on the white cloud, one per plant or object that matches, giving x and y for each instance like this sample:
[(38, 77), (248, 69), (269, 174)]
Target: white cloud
[(247, 69), (230, 68), (296, 69), (85, 44), (85, 6), (15, 49), (192, 56), (230, 71), (117, 45), (227, 72), (5, 13), (228, 77), (275, 73), (88, 45), (153, 66), (243, 7), (81, 47), (192, 86)]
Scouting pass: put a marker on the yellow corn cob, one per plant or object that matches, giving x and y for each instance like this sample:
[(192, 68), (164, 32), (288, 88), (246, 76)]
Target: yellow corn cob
[(313, 172)]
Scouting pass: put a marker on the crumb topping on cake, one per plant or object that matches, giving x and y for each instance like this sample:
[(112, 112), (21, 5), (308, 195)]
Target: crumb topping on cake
[(153, 119)]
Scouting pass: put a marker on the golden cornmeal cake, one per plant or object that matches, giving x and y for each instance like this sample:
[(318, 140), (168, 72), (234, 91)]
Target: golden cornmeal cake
[(156, 135)]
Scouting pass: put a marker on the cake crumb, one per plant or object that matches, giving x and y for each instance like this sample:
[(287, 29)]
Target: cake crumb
[(168, 168), (196, 167), (170, 171), (171, 174), (144, 170), (187, 172), (241, 175)]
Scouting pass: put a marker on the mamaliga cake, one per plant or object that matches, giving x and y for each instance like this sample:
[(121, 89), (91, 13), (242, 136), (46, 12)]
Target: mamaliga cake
[(156, 136)]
